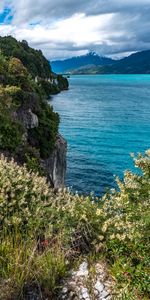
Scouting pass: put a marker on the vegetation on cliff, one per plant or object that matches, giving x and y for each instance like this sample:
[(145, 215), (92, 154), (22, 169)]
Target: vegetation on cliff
[(33, 60), (44, 233), (28, 124)]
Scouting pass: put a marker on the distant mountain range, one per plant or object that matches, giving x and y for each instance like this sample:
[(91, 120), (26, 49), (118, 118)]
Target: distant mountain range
[(70, 64), (92, 63)]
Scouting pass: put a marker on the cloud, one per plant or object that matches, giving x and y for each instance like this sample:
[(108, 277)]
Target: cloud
[(2, 4), (44, 10), (66, 28)]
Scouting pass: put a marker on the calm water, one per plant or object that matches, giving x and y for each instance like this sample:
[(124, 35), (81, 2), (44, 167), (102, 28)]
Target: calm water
[(104, 119)]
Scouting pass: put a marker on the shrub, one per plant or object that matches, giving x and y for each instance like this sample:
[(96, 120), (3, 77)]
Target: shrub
[(10, 133), (23, 195), (126, 225), (44, 136)]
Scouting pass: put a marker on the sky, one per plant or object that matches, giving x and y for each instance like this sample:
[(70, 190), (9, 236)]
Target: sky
[(66, 28)]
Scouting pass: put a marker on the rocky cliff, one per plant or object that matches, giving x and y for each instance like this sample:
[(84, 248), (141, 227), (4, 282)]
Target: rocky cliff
[(54, 166)]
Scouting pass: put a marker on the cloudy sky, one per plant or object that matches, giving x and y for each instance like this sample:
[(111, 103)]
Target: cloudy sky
[(64, 28)]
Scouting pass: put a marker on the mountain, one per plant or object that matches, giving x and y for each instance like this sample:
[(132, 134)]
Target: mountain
[(137, 63), (90, 59)]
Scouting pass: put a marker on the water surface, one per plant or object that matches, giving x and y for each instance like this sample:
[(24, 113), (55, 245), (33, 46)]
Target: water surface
[(104, 118)]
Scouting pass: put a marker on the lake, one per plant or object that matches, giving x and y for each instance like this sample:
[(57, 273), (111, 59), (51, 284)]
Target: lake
[(104, 118)]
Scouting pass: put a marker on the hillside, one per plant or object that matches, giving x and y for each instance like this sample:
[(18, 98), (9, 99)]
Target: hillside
[(137, 63), (28, 124), (90, 59), (32, 59), (35, 62)]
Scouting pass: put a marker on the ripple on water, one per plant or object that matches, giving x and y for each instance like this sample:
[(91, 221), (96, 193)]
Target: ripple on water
[(104, 119)]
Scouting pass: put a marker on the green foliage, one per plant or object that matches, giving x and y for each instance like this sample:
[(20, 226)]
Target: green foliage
[(33, 60), (16, 85), (32, 160), (62, 82), (25, 269), (15, 93), (23, 195), (126, 226), (48, 88), (3, 64), (10, 133), (43, 137)]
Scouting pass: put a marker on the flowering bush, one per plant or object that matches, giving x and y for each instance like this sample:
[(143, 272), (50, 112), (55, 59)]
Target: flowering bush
[(22, 195), (26, 200), (127, 222)]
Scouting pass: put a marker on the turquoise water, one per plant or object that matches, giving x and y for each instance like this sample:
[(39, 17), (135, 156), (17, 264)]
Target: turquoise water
[(104, 118)]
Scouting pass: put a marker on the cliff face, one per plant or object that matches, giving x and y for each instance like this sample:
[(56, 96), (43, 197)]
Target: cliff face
[(54, 166)]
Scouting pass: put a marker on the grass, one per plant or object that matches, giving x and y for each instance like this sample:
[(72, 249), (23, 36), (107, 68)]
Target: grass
[(25, 265)]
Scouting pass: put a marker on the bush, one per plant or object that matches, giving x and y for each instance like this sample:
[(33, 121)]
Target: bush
[(23, 195), (26, 198), (44, 136), (10, 133), (126, 225)]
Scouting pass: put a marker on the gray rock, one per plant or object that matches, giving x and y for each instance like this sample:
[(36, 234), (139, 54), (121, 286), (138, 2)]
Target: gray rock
[(28, 118), (83, 270), (64, 290), (55, 165), (104, 294), (85, 293), (99, 286)]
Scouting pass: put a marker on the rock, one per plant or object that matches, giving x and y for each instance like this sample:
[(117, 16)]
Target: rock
[(64, 290), (85, 294), (104, 294), (28, 118), (108, 297), (83, 270), (96, 293), (55, 165), (99, 286)]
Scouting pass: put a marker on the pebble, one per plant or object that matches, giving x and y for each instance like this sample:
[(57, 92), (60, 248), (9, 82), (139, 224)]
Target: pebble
[(83, 270), (99, 286), (85, 293), (64, 290), (104, 294)]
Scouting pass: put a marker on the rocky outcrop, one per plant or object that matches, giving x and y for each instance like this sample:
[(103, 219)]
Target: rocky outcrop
[(55, 165), (28, 119)]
